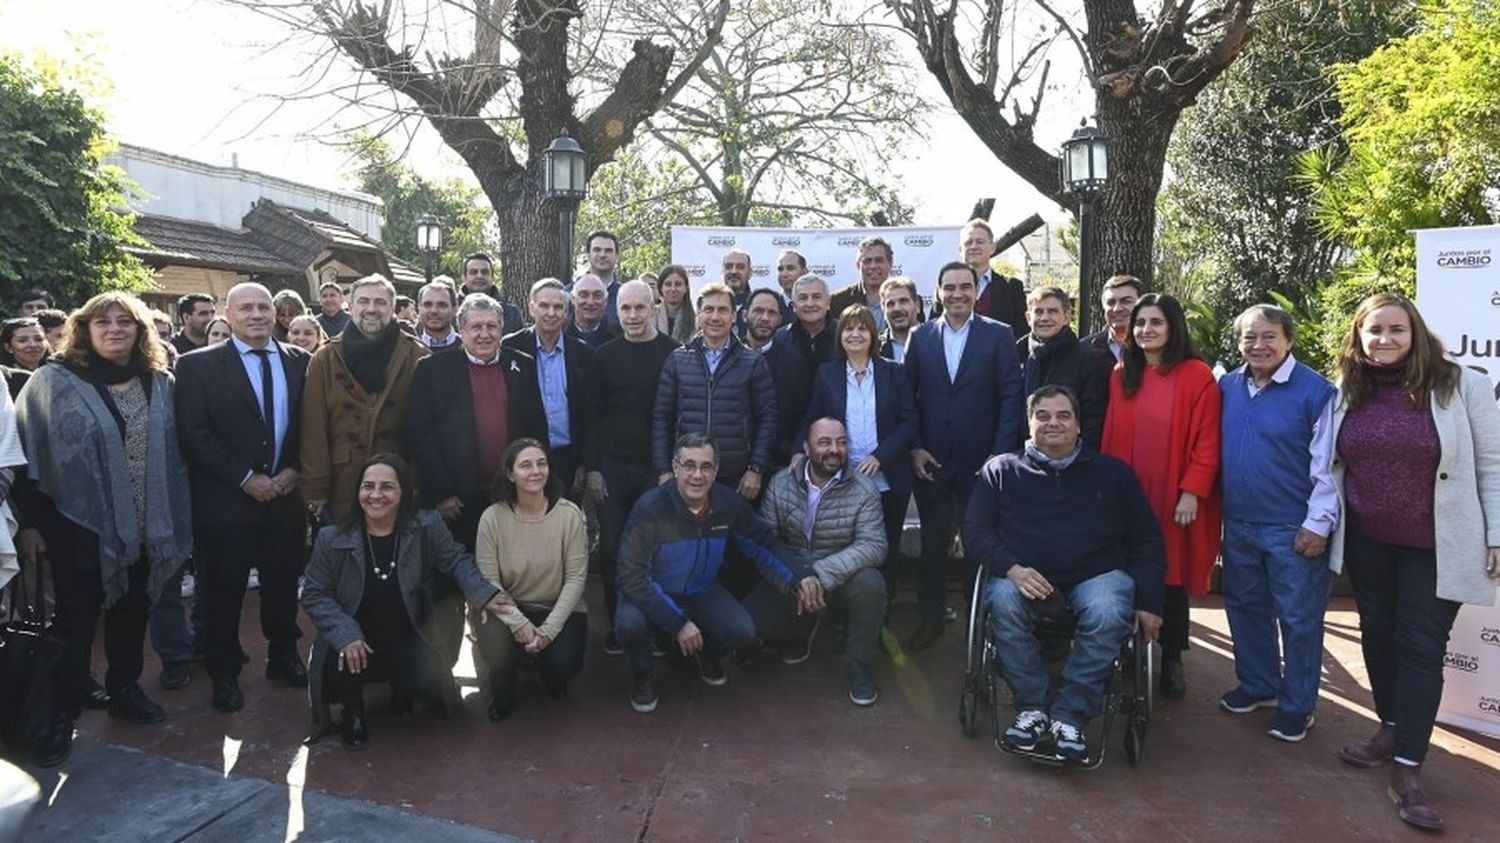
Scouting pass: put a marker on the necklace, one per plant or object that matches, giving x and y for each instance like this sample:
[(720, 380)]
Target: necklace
[(375, 568)]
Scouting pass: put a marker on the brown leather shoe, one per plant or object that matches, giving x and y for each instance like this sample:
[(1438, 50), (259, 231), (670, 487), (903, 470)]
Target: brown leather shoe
[(1411, 800), (1373, 752)]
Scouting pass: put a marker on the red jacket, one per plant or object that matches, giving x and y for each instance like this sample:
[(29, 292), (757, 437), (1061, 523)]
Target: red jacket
[(1193, 458)]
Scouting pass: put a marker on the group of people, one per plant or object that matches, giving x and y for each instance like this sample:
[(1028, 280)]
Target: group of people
[(744, 460)]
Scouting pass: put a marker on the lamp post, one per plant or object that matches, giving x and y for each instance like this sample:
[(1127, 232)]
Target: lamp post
[(565, 182), (429, 239), (1084, 165)]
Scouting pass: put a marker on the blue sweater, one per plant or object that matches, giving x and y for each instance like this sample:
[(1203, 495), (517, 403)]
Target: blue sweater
[(668, 553), (1070, 525), (1266, 462)]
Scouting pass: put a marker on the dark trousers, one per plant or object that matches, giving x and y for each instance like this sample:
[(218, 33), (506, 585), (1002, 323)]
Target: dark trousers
[(941, 505), (557, 663), (1174, 621), (893, 508), (79, 594), (725, 624), (1403, 630), (465, 528), (861, 599), (173, 636), (412, 669), (626, 484), (274, 544)]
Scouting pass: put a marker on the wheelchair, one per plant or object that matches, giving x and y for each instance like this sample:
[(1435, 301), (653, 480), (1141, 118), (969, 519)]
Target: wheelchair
[(1127, 694)]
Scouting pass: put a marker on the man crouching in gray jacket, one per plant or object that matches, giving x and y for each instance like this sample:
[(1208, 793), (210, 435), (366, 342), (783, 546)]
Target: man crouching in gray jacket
[(829, 515)]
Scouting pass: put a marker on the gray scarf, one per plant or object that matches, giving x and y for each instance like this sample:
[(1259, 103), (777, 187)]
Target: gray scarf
[(78, 461), (1035, 454)]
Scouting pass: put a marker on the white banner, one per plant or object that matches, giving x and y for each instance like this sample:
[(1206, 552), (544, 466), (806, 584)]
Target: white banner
[(831, 253), (1458, 289)]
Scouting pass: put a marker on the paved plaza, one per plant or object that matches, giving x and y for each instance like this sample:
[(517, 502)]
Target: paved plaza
[(779, 754)]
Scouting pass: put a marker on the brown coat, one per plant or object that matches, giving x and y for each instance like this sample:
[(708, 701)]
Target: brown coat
[(342, 425)]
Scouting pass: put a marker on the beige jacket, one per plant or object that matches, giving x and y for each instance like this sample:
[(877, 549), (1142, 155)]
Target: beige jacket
[(1466, 500)]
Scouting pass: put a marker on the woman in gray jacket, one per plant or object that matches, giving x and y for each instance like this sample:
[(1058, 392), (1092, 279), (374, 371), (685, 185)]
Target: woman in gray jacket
[(1417, 464), (367, 591)]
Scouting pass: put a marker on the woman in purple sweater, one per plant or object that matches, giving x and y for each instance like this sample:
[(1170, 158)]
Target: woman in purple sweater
[(1417, 463)]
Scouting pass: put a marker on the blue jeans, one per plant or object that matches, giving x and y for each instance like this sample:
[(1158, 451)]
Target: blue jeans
[(725, 624), (1266, 583), (1105, 609), (170, 636)]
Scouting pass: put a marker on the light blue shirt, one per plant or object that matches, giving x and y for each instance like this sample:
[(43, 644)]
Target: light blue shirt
[(898, 348), (859, 420), (953, 344), (552, 372), (712, 356), (1323, 502), (280, 400)]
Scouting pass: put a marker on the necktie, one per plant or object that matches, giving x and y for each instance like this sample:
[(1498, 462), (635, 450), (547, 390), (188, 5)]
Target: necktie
[(267, 406)]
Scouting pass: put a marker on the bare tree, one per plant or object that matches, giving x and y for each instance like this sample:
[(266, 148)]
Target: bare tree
[(498, 80), (1142, 72), (794, 114)]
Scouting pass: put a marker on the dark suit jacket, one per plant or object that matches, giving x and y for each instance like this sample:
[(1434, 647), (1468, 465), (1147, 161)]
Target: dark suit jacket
[(439, 431), (1099, 342), (1006, 302), (1085, 370), (223, 439), (585, 392), (963, 421), (895, 414), (845, 296)]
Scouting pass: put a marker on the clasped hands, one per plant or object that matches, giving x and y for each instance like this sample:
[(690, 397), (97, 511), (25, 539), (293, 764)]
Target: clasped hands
[(266, 488)]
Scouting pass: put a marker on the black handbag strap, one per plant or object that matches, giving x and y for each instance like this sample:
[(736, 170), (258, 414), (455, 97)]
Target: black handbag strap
[(28, 607)]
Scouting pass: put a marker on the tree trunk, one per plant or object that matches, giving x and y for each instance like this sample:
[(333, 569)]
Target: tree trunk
[(530, 250), (1126, 212)]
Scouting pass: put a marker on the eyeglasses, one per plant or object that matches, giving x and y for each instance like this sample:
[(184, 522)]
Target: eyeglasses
[(704, 468)]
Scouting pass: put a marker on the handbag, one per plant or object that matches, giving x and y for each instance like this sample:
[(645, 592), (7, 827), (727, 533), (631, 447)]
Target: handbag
[(29, 652)]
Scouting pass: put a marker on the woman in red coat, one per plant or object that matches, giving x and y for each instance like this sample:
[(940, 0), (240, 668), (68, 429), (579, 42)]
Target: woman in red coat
[(1163, 420)]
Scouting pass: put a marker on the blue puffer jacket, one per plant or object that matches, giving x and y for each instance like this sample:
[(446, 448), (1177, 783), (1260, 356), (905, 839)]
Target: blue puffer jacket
[(668, 553), (736, 407)]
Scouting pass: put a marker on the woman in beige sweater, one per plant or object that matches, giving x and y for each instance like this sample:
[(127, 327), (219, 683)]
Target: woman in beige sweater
[(532, 545)]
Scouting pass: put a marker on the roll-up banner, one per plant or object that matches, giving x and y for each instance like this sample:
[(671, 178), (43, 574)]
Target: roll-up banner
[(832, 253), (1458, 290)]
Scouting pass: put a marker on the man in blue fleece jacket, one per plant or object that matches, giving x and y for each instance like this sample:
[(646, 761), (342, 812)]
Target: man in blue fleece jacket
[(669, 564), (1060, 529)]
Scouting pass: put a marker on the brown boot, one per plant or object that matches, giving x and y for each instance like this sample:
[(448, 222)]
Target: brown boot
[(1373, 752), (1411, 800)]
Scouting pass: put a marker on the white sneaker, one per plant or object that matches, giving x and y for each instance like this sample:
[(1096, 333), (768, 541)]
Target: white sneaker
[(1027, 731)]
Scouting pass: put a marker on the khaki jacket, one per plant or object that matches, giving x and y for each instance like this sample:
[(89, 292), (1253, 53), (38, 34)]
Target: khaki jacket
[(342, 425)]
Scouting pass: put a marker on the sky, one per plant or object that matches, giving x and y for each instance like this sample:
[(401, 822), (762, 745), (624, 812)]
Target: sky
[(192, 78)]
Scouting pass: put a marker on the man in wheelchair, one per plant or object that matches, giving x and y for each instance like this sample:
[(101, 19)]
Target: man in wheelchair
[(1063, 531)]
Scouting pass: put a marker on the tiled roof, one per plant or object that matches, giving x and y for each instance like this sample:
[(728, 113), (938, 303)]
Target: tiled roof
[(199, 244)]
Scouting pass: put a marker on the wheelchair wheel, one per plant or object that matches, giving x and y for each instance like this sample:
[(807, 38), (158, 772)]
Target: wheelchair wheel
[(976, 679), (1135, 743), (1145, 673), (968, 710)]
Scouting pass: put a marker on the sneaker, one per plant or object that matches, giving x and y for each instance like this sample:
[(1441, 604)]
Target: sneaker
[(862, 688), (799, 649), (950, 614), (711, 671), (1068, 740), (643, 692), (252, 581), (1291, 728), (612, 645), (175, 675), (189, 585), (1027, 731), (1236, 701), (660, 647)]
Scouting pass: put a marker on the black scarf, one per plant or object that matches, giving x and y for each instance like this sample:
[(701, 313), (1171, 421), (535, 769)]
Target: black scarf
[(368, 357), (99, 371), (1040, 351)]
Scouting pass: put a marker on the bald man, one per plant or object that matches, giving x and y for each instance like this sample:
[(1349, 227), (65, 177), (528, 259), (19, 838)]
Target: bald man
[(239, 406)]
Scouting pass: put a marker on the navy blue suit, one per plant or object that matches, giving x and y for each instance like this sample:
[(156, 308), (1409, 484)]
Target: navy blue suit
[(962, 422), (895, 431)]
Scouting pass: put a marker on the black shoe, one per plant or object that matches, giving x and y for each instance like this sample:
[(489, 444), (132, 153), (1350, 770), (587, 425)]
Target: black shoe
[(227, 696), (131, 703), (711, 671), (499, 709), (94, 695), (58, 744), (175, 675), (1173, 683), (352, 728), (612, 645), (643, 692), (287, 667), (926, 635), (402, 704), (555, 690)]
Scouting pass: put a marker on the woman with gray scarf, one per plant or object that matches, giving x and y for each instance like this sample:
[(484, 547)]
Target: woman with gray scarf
[(112, 499)]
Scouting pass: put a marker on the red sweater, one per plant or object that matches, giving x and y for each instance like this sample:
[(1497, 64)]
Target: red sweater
[(491, 422)]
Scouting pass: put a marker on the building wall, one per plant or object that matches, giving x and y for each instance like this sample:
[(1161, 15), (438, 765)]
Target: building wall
[(172, 282), (192, 190)]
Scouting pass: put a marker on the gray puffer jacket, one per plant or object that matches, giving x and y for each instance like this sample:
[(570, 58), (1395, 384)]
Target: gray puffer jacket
[(735, 406), (848, 532)]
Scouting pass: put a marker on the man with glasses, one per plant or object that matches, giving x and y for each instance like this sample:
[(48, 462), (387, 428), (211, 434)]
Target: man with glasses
[(670, 557)]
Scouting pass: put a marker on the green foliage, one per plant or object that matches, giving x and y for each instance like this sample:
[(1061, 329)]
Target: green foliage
[(640, 201), (1235, 225), (60, 224), (1422, 126), (467, 219)]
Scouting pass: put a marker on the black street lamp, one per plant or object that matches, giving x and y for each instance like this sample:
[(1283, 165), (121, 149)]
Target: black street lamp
[(429, 239), (565, 181), (1084, 166)]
